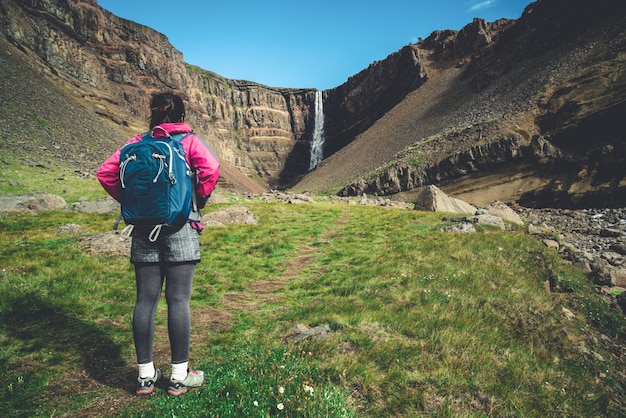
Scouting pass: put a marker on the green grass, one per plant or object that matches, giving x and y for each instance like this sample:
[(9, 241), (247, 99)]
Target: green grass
[(18, 177), (424, 323)]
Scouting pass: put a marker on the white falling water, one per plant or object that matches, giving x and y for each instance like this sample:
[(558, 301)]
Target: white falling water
[(317, 143)]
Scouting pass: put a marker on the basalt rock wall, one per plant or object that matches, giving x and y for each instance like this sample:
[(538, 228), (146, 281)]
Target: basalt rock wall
[(536, 93), (112, 65), (548, 99), (355, 105), (258, 131), (265, 131)]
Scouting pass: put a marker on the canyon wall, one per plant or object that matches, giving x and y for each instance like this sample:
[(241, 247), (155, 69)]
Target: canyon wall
[(542, 95), (260, 132), (548, 94), (113, 65)]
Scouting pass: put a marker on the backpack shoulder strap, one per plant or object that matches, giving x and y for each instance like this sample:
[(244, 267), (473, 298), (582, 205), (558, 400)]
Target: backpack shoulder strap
[(194, 199), (176, 137), (180, 137)]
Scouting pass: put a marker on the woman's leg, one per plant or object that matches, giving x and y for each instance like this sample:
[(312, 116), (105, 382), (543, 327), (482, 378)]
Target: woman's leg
[(149, 280), (179, 281)]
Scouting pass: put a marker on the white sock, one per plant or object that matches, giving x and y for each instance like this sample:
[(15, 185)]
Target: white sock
[(179, 371), (146, 370)]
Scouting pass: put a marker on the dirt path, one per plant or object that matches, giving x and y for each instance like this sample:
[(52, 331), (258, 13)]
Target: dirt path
[(263, 292)]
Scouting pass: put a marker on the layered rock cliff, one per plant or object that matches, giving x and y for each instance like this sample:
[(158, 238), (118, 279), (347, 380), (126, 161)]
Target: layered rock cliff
[(261, 132), (264, 131), (533, 115), (112, 65), (525, 110), (354, 106)]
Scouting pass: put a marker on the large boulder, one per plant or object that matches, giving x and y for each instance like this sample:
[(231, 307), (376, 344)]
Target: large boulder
[(231, 215), (432, 199), (32, 203), (503, 211)]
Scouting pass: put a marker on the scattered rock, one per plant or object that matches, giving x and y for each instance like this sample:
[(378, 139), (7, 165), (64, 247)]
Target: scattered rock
[(598, 356), (534, 230), (618, 276), (462, 227), (619, 247), (302, 332), (32, 203), (479, 219), (613, 258), (568, 314), (105, 205), (302, 198), (592, 239), (44, 201), (584, 266), (601, 272), (112, 244), (69, 229), (231, 215), (482, 217), (550, 243), (611, 232), (217, 197)]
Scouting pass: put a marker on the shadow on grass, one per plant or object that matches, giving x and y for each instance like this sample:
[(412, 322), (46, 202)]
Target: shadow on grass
[(45, 326)]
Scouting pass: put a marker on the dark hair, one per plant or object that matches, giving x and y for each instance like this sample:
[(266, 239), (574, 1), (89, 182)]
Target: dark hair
[(166, 107)]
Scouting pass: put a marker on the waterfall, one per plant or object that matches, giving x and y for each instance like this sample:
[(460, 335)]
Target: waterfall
[(317, 143)]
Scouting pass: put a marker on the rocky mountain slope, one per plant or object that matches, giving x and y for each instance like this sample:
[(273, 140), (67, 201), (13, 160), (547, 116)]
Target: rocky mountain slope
[(532, 115), (109, 66), (524, 110)]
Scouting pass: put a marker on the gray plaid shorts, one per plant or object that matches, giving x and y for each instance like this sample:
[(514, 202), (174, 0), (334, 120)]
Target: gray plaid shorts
[(171, 246)]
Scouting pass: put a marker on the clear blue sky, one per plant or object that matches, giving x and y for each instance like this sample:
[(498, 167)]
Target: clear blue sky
[(302, 44)]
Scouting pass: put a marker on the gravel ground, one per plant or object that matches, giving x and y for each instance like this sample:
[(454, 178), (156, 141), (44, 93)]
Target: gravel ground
[(592, 239), (593, 231)]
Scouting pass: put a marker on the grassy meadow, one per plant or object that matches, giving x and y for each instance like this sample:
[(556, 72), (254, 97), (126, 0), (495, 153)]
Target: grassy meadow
[(423, 323)]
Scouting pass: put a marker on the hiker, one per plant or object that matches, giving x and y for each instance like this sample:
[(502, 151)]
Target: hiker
[(171, 257)]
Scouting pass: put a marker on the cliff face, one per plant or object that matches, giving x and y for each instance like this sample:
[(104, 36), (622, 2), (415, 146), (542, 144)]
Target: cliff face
[(354, 106), (540, 119), (113, 65), (259, 132), (264, 131), (78, 41), (526, 110)]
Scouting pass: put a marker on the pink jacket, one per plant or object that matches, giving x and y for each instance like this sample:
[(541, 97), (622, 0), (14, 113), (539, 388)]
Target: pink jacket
[(200, 158)]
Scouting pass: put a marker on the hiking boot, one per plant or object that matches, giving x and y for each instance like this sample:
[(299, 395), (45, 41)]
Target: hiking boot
[(145, 386), (194, 379)]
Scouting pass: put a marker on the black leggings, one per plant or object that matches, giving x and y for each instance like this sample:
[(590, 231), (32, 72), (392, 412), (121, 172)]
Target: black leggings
[(179, 280)]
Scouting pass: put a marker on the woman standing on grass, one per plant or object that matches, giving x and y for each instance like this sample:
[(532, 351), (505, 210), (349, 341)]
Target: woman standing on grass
[(171, 258)]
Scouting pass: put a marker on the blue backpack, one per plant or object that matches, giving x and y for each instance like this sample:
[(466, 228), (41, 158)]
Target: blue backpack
[(157, 186)]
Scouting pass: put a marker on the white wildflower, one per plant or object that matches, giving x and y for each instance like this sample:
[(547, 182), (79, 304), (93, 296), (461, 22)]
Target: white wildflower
[(280, 406), (309, 389), (281, 390)]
